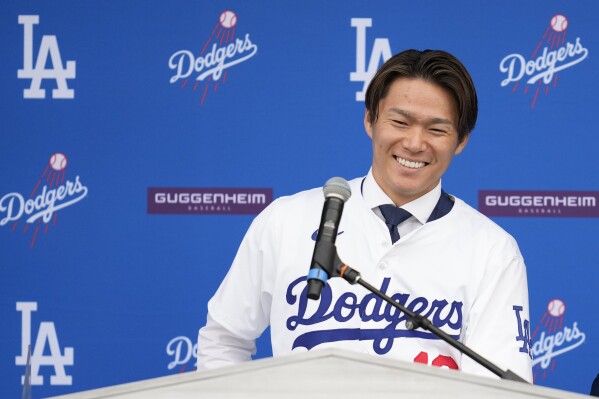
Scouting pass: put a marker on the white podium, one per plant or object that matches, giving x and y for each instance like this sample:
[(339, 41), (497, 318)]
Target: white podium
[(324, 374)]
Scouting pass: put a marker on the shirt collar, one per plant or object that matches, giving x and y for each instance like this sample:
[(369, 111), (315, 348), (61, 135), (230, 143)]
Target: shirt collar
[(421, 208)]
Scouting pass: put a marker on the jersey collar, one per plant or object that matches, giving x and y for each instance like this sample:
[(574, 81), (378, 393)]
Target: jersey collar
[(421, 208)]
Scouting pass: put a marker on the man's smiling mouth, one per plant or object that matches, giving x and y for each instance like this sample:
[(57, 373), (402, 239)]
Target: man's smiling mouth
[(410, 164)]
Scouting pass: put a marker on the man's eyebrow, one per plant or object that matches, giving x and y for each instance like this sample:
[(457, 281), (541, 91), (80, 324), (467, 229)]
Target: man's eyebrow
[(402, 112), (410, 116)]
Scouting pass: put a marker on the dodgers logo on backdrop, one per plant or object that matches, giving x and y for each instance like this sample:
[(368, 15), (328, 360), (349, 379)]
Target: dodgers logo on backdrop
[(553, 337), (46, 352), (221, 51), (48, 47), (552, 54), (51, 193), (182, 350), (381, 52)]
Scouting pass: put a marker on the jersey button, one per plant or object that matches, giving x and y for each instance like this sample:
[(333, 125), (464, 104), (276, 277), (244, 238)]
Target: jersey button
[(383, 265)]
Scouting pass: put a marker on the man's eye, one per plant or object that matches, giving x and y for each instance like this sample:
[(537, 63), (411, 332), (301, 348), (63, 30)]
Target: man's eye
[(438, 131), (400, 122)]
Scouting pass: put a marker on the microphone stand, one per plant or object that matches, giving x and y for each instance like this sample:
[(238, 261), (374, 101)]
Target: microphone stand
[(339, 269)]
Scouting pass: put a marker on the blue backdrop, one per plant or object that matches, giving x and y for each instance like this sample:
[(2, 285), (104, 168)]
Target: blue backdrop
[(106, 103)]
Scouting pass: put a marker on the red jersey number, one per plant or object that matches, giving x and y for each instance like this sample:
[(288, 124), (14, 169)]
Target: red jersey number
[(439, 361)]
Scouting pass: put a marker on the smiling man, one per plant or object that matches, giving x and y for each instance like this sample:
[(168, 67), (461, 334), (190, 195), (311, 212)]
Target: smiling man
[(423, 247), (414, 138)]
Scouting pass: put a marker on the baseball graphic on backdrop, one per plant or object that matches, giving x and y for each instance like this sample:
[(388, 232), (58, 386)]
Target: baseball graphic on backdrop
[(559, 23), (556, 307), (58, 161), (228, 19)]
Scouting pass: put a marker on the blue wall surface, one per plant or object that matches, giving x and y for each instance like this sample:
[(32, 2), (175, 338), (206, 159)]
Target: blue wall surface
[(228, 104)]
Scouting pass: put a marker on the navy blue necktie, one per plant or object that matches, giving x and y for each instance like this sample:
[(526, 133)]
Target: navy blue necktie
[(394, 216)]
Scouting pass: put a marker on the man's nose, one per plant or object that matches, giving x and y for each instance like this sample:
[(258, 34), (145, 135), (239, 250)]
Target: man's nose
[(415, 139)]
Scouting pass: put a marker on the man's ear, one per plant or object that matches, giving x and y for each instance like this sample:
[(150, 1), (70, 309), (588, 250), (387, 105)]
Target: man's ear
[(462, 145), (367, 124)]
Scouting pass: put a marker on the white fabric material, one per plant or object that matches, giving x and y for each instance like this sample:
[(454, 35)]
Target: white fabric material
[(462, 271)]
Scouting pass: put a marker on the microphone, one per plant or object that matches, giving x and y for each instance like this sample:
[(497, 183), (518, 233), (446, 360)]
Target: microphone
[(336, 192)]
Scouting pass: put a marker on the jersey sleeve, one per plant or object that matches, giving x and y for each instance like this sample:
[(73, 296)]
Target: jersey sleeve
[(219, 347), (498, 325), (239, 311)]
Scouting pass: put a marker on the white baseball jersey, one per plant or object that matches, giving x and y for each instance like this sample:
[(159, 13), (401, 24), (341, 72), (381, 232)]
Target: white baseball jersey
[(462, 271)]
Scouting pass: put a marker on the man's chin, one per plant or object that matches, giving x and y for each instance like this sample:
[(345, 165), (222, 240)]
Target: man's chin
[(410, 193)]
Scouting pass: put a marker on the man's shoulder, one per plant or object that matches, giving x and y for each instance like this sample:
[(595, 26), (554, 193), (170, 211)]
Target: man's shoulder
[(470, 218), (313, 196), (302, 206)]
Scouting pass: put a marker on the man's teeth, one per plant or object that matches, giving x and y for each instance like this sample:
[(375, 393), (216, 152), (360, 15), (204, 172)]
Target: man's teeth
[(410, 164)]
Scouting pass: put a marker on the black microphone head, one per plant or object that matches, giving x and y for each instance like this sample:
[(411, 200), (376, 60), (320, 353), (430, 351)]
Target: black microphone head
[(337, 187)]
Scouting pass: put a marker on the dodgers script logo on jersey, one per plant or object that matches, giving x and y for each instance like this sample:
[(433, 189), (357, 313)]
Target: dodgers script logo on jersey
[(44, 202), (553, 338), (381, 52), (46, 351), (369, 308), (220, 52), (552, 54), (48, 47)]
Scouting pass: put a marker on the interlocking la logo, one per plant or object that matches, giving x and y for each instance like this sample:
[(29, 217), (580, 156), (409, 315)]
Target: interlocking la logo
[(46, 335), (380, 49), (48, 47)]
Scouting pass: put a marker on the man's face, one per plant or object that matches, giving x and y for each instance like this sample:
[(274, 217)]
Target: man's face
[(414, 138)]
